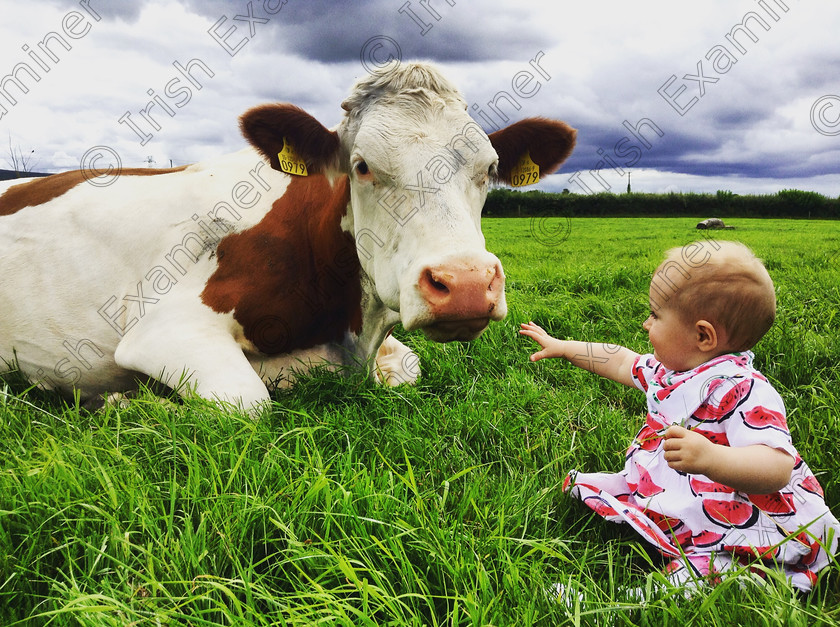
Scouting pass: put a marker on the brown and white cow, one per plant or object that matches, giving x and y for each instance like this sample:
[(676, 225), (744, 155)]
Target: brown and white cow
[(222, 277)]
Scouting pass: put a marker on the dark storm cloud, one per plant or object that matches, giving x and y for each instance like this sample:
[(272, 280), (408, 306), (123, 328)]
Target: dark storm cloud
[(335, 32), (612, 153), (328, 31), (734, 118)]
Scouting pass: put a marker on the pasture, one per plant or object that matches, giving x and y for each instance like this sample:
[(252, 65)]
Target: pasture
[(437, 504)]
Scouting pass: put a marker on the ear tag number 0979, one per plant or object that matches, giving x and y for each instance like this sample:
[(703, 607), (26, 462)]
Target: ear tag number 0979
[(290, 161), (525, 172)]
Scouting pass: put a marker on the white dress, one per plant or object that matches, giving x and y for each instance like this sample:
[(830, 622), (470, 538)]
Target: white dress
[(707, 526)]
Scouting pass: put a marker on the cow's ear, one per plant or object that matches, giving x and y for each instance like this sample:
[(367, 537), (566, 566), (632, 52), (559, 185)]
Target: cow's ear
[(548, 142), (271, 127)]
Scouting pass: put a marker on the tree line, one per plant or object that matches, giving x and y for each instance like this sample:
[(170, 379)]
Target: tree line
[(789, 203)]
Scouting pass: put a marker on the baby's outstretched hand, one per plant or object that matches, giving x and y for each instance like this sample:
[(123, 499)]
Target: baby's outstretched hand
[(540, 336), (687, 451)]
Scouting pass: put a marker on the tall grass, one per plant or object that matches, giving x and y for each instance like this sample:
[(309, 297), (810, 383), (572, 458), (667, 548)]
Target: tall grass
[(437, 504)]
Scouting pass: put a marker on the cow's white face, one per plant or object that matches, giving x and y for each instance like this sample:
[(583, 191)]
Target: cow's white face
[(419, 168), (419, 171)]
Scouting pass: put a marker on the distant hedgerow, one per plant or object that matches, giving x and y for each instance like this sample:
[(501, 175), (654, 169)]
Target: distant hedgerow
[(788, 203)]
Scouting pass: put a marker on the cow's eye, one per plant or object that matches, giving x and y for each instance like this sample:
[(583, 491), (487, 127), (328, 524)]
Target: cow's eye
[(485, 178), (362, 168)]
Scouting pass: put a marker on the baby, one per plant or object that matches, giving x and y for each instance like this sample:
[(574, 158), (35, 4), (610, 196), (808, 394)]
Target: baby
[(712, 479)]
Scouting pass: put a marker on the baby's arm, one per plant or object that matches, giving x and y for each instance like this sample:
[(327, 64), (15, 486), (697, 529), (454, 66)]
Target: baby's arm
[(754, 469), (607, 360)]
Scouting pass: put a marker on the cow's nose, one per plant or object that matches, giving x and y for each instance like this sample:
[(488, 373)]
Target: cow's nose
[(462, 290)]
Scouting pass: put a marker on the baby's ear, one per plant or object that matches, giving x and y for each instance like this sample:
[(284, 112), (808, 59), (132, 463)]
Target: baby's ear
[(707, 337)]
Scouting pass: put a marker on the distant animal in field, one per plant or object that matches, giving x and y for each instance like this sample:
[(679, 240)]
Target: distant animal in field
[(713, 223)]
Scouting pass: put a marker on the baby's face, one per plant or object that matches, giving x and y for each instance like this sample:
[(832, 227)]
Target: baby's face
[(673, 339)]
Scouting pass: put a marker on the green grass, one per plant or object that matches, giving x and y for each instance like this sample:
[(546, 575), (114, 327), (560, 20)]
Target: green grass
[(437, 504)]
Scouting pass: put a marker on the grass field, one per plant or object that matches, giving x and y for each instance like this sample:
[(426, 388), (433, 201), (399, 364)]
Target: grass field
[(438, 504)]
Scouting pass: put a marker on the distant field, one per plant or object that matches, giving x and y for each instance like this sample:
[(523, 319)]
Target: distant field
[(438, 504)]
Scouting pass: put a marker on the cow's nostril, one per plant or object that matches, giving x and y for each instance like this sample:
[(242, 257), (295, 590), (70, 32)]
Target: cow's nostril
[(438, 286)]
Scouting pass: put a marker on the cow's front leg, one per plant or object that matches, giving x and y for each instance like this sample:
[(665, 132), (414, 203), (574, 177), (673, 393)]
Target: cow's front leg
[(194, 359), (396, 363)]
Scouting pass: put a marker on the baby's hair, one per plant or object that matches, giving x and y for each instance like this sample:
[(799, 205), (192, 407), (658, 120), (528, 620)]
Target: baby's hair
[(723, 283)]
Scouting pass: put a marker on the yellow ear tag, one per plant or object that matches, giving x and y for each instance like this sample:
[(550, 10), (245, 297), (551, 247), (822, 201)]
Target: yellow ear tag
[(525, 172), (290, 162)]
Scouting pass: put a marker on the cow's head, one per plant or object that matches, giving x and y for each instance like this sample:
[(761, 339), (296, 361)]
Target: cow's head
[(419, 169)]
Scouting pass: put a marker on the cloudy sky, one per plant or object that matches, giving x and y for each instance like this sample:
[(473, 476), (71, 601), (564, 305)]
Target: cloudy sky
[(677, 94)]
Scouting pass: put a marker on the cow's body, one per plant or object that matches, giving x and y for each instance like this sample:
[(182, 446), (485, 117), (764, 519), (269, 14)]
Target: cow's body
[(223, 276), (115, 283)]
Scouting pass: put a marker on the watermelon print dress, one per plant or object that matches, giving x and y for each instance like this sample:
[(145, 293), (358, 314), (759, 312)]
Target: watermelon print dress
[(705, 526)]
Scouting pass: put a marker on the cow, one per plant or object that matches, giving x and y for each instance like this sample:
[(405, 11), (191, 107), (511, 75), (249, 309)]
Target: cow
[(233, 275)]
